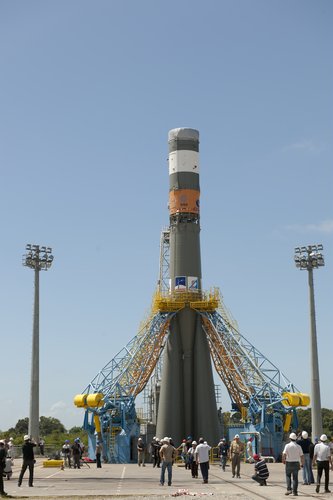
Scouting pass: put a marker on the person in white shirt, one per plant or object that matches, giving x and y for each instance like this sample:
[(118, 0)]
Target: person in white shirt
[(292, 457), (202, 458), (322, 455)]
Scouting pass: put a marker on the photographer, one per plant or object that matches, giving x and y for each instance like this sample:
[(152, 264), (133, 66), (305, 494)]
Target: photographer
[(28, 460)]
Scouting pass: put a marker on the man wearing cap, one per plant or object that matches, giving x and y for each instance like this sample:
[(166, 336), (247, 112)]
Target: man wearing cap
[(236, 449), (3, 454), (202, 458), (192, 461), (292, 456), (28, 460), (155, 452), (322, 454), (66, 453), (168, 454), (261, 472), (305, 443), (223, 452), (141, 452)]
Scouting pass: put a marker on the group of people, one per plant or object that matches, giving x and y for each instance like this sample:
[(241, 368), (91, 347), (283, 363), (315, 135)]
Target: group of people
[(72, 453), (164, 454), (301, 452), (193, 455)]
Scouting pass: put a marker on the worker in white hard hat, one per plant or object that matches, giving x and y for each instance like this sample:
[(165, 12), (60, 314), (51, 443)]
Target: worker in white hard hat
[(292, 457), (236, 449), (141, 452), (306, 445), (28, 460), (322, 455)]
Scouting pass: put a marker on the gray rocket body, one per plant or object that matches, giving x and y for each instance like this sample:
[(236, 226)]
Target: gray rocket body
[(187, 404)]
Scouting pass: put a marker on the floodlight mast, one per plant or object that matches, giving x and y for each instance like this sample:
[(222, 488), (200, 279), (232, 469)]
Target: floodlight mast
[(309, 258), (39, 259)]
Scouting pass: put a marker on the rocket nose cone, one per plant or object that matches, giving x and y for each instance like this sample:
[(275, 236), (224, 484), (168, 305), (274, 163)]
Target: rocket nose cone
[(183, 133)]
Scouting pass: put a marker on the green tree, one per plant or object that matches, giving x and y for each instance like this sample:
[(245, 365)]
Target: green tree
[(75, 430), (304, 420), (48, 425), (22, 426)]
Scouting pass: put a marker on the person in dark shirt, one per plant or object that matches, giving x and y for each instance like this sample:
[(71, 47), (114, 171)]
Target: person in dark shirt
[(223, 452), (28, 460), (260, 469), (3, 454), (307, 447)]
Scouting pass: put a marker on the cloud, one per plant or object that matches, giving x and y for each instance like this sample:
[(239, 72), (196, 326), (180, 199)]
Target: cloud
[(324, 227), (58, 406), (306, 146)]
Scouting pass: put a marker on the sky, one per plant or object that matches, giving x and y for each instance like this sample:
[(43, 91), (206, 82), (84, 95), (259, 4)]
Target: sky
[(88, 93)]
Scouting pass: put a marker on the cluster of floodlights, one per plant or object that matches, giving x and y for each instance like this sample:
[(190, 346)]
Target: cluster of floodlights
[(37, 257), (309, 257)]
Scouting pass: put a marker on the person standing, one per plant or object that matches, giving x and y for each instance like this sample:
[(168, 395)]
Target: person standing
[(28, 460), (322, 454), (3, 454), (236, 449), (11, 452), (292, 456), (98, 453), (249, 451), (202, 458), (192, 461), (66, 453), (168, 454), (305, 443), (223, 452), (41, 445), (141, 452), (261, 472), (155, 452), (76, 452), (183, 453)]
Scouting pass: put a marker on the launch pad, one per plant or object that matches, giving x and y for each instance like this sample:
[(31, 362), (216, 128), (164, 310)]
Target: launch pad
[(186, 330)]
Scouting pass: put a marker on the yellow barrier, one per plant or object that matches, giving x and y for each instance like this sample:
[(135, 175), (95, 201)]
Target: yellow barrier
[(53, 463)]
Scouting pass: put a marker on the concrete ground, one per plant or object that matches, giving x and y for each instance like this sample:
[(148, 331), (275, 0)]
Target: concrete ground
[(128, 481)]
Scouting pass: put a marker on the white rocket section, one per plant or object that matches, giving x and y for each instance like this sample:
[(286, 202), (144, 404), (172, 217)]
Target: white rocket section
[(184, 161)]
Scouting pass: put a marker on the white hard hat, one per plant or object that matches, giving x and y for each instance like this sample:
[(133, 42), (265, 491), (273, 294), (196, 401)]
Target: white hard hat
[(2, 441), (194, 442), (26, 437), (305, 435), (293, 436), (237, 436), (166, 440), (323, 437)]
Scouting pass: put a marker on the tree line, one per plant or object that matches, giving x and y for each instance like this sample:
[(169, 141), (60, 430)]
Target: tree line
[(50, 429)]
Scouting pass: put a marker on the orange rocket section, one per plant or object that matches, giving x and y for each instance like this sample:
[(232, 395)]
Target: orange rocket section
[(184, 200)]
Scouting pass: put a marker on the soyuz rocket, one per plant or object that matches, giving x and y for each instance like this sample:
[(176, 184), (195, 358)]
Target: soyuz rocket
[(187, 404)]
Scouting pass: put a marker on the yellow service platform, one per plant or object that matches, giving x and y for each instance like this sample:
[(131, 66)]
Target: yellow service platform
[(53, 463)]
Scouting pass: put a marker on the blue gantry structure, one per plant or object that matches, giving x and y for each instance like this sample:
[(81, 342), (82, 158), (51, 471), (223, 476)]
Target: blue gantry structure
[(266, 399)]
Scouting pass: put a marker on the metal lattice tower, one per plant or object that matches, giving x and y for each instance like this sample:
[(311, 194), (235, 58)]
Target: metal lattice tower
[(164, 275)]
